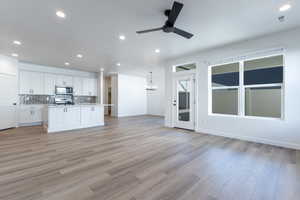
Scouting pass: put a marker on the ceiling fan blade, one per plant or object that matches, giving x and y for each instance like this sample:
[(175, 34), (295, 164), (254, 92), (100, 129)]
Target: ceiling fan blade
[(183, 33), (150, 30), (176, 9)]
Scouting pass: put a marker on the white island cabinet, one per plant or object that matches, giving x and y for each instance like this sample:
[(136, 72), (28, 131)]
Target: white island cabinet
[(71, 117)]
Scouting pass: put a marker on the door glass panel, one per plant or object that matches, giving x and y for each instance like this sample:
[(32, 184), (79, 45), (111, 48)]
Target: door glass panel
[(184, 91)]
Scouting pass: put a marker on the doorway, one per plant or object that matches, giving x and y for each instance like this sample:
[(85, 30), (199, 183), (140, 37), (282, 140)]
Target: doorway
[(184, 101), (8, 101)]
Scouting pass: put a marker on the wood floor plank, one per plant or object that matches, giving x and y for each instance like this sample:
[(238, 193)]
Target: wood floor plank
[(136, 158)]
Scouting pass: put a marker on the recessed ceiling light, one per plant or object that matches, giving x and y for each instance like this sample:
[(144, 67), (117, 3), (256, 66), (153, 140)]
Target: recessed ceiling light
[(60, 14), (285, 7), (16, 42), (122, 37), (79, 55), (14, 55), (67, 64), (119, 64), (157, 50)]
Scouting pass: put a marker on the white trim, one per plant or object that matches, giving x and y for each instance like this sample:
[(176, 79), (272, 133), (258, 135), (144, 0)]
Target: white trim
[(225, 87), (264, 85), (250, 56), (249, 138), (244, 117), (241, 97)]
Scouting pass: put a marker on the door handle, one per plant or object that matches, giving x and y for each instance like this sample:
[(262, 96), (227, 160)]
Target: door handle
[(174, 103)]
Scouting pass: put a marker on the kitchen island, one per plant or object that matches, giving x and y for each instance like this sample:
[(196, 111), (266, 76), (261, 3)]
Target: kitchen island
[(58, 118)]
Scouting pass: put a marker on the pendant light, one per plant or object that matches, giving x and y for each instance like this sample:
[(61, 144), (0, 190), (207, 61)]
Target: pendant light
[(151, 87)]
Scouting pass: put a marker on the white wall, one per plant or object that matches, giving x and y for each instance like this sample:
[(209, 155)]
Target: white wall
[(8, 65), (272, 131), (132, 97), (8, 92), (156, 99)]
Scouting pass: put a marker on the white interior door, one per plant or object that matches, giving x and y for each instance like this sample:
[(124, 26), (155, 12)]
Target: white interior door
[(184, 102), (8, 100)]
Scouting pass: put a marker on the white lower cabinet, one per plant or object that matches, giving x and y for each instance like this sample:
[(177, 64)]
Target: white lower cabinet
[(63, 118), (91, 116), (73, 116), (30, 114)]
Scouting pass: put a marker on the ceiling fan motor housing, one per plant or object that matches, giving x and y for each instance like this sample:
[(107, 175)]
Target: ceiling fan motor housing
[(167, 12)]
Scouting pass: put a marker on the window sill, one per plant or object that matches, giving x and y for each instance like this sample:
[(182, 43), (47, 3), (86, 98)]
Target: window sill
[(245, 117)]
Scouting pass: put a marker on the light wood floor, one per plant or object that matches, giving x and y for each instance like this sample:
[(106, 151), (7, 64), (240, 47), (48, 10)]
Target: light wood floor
[(137, 159)]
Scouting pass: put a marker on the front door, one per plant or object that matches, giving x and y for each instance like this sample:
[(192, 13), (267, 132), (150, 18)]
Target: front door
[(184, 102)]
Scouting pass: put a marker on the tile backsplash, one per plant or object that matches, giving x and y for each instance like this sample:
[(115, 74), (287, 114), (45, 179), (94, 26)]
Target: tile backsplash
[(45, 99), (84, 99)]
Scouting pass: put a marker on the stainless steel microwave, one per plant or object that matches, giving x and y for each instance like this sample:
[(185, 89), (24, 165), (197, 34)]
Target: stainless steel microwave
[(63, 90)]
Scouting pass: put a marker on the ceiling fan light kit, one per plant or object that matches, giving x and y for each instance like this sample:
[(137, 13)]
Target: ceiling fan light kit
[(169, 26)]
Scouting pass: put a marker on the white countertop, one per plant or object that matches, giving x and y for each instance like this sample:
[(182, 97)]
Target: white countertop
[(75, 105)]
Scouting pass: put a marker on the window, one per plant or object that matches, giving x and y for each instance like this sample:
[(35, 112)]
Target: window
[(259, 94), (263, 79), (225, 84), (186, 67)]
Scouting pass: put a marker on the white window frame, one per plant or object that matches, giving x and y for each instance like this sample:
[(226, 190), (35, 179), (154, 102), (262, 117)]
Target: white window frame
[(242, 88)]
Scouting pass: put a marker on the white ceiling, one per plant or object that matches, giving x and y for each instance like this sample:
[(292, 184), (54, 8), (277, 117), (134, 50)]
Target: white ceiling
[(92, 28)]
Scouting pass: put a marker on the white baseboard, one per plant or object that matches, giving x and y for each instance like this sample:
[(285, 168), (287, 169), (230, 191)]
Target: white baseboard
[(250, 139), (29, 124)]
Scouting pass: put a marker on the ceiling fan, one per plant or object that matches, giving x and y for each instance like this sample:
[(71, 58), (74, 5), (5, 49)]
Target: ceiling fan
[(169, 24)]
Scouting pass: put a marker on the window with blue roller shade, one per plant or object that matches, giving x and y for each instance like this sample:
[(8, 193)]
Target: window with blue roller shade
[(264, 76), (225, 75), (227, 79), (251, 77)]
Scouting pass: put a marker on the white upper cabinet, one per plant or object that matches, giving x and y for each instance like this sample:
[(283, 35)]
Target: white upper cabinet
[(89, 87), (64, 81), (49, 84), (77, 86), (37, 83), (31, 83)]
